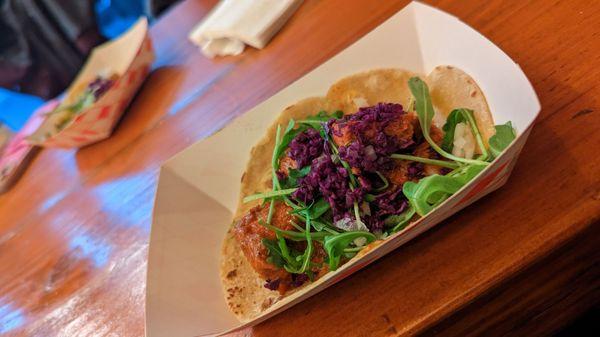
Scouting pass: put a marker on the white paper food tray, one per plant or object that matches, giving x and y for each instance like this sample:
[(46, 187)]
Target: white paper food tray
[(198, 188), (130, 57)]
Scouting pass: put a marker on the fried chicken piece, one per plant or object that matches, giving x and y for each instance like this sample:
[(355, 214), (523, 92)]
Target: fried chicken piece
[(424, 150), (398, 175), (402, 128), (341, 134), (249, 233), (286, 163), (401, 171)]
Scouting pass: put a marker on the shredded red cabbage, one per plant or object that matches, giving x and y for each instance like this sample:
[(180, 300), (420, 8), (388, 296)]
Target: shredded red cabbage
[(365, 140), (99, 86), (332, 182), (389, 203), (415, 170), (306, 146), (298, 280), (280, 175), (272, 284), (377, 132)]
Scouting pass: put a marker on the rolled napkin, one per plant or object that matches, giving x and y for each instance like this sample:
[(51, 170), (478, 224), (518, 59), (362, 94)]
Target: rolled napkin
[(234, 23)]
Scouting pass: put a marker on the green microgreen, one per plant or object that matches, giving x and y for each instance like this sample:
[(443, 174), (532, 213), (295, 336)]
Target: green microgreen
[(335, 245), (269, 195), (385, 185), (428, 161), (505, 134), (430, 191), (401, 220)]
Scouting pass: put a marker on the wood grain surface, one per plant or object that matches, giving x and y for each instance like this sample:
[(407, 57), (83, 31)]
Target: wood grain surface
[(74, 230)]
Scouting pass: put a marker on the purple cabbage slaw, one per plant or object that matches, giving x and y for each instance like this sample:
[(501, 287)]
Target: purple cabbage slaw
[(367, 154)]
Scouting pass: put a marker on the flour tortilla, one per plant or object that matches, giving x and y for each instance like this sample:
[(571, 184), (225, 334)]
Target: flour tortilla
[(244, 289), (369, 88), (452, 88)]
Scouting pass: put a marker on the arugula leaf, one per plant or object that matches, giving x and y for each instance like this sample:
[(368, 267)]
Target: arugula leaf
[(430, 191), (275, 159), (294, 175), (423, 105), (309, 247), (319, 225), (428, 161), (275, 255), (425, 112), (290, 256), (505, 134), (293, 235), (282, 256), (269, 195), (298, 263), (288, 135), (318, 208), (337, 114), (281, 143), (384, 180), (334, 245), (401, 220), (320, 118), (336, 152), (294, 128), (274, 167), (315, 211), (409, 189), (370, 197), (449, 127), (463, 116), (299, 173), (324, 225)]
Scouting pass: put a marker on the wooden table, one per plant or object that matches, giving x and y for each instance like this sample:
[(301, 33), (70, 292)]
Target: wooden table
[(74, 231)]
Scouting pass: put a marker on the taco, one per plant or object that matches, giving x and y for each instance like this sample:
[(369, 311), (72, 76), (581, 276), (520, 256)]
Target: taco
[(76, 101), (81, 98), (336, 175)]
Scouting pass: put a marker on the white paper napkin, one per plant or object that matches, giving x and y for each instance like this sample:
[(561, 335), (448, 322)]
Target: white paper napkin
[(234, 23)]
